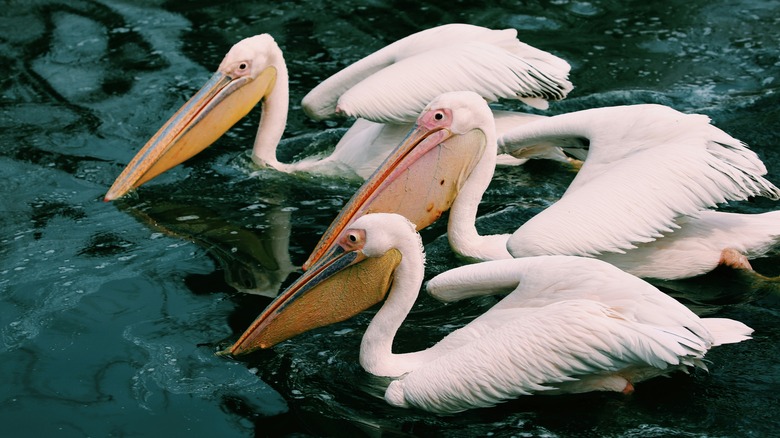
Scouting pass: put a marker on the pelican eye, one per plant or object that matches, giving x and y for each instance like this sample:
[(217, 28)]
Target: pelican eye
[(438, 116), (243, 66), (353, 240)]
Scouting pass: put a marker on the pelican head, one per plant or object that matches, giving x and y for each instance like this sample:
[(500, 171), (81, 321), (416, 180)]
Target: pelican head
[(249, 73), (419, 181), (349, 281), (422, 177)]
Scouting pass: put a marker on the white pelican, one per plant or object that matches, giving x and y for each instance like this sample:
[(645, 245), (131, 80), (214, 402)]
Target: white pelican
[(639, 201), (385, 90), (570, 325), (457, 129)]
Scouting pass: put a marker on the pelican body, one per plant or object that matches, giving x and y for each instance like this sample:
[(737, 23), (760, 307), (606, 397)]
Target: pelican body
[(457, 129), (643, 199), (651, 173), (603, 330), (385, 91)]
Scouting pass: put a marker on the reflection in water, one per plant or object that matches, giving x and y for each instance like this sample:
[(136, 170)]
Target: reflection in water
[(254, 261), (724, 286), (99, 327)]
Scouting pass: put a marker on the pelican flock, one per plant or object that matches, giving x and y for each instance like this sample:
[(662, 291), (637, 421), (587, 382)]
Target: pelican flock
[(576, 316), (385, 92)]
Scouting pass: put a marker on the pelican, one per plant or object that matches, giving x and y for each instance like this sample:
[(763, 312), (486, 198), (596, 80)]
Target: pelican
[(385, 91), (600, 329), (457, 129), (641, 200)]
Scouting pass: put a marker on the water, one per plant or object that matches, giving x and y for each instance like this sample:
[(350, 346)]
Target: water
[(110, 312)]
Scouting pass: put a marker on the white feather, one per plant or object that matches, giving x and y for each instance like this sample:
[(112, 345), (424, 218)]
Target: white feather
[(650, 172), (555, 333), (695, 248), (395, 83), (647, 166)]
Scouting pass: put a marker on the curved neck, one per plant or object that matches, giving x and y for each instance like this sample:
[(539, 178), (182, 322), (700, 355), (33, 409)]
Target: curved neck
[(273, 117), (461, 228), (376, 348)]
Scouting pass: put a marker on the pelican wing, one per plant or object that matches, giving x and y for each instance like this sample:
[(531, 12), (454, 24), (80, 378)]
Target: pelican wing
[(395, 83), (535, 282), (360, 151), (647, 165), (579, 345)]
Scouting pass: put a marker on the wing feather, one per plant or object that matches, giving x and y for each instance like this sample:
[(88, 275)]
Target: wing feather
[(543, 280), (395, 83), (400, 92), (647, 165), (540, 350)]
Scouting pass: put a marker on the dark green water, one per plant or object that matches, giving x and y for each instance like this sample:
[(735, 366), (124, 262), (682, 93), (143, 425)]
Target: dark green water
[(110, 313)]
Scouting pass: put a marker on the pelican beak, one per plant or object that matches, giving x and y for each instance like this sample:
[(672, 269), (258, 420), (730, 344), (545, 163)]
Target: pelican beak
[(419, 180), (338, 288), (215, 108)]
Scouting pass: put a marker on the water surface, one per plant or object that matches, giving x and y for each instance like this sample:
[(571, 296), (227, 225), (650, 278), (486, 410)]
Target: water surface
[(110, 313)]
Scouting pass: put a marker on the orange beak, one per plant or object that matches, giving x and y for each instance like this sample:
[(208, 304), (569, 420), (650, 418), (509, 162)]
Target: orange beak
[(213, 110), (338, 288), (419, 180)]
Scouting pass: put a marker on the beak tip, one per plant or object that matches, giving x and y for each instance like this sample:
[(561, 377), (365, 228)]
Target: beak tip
[(226, 352), (250, 342), (113, 194), (238, 350), (117, 191)]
